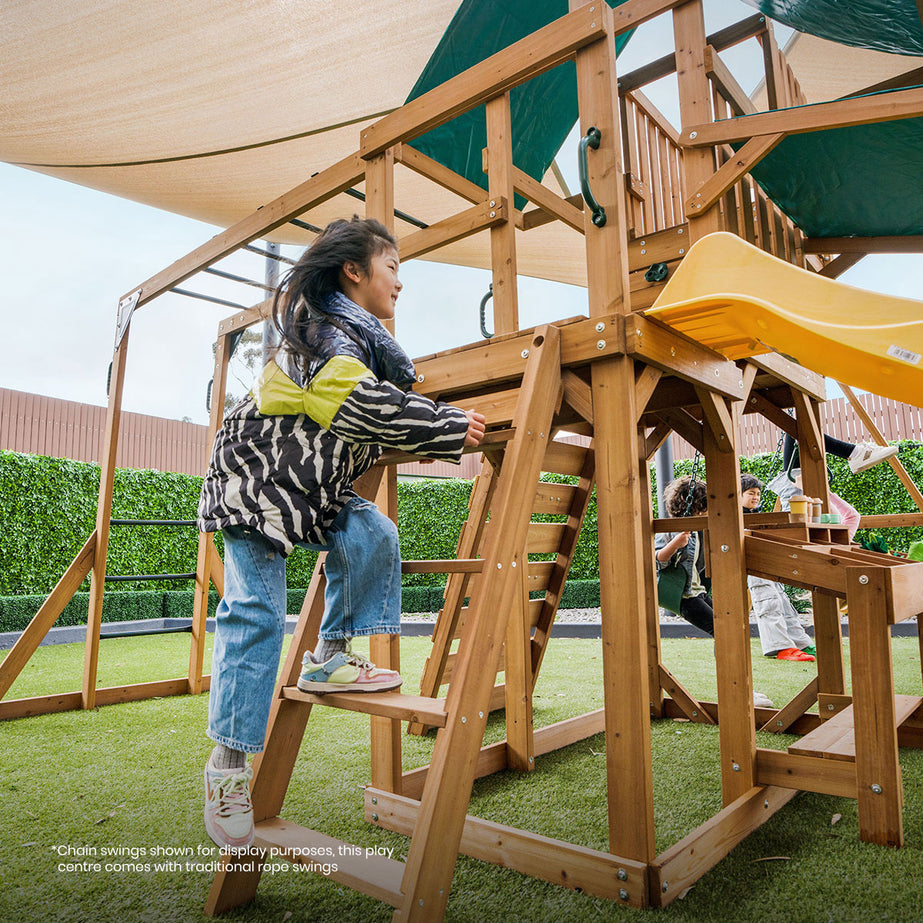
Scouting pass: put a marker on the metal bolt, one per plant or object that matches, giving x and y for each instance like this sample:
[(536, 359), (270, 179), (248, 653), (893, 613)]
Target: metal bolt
[(374, 817), (374, 801), (499, 566), (665, 887), (765, 804), (863, 579), (623, 894), (725, 548), (493, 214), (600, 327), (600, 344), (735, 767), (525, 354), (693, 134), (717, 373), (672, 350), (643, 251), (695, 713), (493, 202), (622, 874), (419, 378), (464, 720), (778, 724), (681, 251), (829, 708), (480, 714), (876, 789)]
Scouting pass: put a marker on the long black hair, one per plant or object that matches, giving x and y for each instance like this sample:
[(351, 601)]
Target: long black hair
[(300, 299)]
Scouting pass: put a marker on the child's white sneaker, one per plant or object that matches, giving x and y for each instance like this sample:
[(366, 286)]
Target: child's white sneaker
[(228, 810), (762, 701), (867, 454)]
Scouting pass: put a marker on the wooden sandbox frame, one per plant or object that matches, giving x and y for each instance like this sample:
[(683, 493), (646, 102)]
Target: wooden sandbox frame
[(628, 382)]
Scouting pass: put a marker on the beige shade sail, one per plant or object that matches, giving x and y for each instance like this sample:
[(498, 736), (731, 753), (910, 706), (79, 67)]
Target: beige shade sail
[(212, 108)]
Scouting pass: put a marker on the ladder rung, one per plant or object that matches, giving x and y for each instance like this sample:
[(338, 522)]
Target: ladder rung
[(376, 876), (384, 704), (443, 566)]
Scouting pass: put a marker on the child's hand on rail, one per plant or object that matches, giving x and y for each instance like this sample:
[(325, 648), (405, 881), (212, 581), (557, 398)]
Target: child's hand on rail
[(476, 424)]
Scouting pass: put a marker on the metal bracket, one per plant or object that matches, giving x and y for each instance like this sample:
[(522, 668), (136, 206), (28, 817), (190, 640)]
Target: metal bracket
[(126, 308)]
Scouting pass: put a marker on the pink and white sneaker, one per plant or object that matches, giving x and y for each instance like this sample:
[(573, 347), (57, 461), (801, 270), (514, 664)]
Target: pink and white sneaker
[(345, 672), (228, 810)]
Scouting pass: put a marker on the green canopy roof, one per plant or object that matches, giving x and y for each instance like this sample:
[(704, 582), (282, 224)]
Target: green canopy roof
[(884, 25)]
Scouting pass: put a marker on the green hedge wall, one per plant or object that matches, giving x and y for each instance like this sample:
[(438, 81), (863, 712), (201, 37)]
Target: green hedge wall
[(48, 509)]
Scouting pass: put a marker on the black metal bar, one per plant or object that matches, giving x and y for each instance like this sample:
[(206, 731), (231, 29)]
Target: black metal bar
[(122, 579), (152, 522), (304, 224), (139, 632), (234, 278), (416, 222), (272, 256), (227, 304)]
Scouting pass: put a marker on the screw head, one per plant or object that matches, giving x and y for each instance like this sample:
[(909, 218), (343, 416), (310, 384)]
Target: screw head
[(623, 894), (419, 378), (600, 327), (863, 579), (622, 875), (600, 344), (735, 767), (374, 817), (725, 548), (693, 134), (665, 887), (525, 354), (876, 789)]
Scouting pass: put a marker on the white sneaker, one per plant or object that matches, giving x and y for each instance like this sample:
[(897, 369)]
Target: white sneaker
[(228, 811), (867, 454), (762, 701)]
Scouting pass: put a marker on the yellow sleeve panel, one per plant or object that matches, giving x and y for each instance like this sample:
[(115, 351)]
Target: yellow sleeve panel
[(276, 393)]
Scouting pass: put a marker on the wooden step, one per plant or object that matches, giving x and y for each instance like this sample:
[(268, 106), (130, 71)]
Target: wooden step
[(835, 739), (384, 704), (377, 876)]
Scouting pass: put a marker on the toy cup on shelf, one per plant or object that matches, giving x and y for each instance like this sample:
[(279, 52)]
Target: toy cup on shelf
[(798, 505), (817, 508)]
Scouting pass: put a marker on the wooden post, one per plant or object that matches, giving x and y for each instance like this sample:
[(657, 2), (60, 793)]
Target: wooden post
[(384, 650), (503, 236), (621, 544), (103, 516), (694, 108), (878, 773), (207, 553), (728, 574), (518, 680)]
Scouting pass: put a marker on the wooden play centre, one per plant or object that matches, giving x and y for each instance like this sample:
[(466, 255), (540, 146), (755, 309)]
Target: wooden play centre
[(711, 294)]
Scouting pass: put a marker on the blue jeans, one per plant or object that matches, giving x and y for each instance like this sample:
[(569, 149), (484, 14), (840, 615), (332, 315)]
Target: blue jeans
[(363, 597)]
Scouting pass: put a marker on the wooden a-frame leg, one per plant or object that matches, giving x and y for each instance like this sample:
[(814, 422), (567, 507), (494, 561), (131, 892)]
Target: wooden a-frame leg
[(520, 742), (236, 883), (878, 772), (441, 818)]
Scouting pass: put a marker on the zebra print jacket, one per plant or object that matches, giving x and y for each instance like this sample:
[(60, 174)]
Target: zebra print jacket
[(286, 456)]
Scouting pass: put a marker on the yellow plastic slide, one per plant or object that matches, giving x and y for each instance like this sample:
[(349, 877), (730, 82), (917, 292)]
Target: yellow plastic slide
[(740, 301)]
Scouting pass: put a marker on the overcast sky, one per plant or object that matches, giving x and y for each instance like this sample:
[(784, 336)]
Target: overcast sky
[(67, 254)]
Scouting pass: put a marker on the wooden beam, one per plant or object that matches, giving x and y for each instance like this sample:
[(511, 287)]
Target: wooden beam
[(33, 635), (894, 462), (521, 61), (684, 863), (321, 187), (809, 774), (662, 67), (561, 863), (864, 110), (548, 201), (726, 83), (836, 267), (719, 418), (646, 382), (489, 214), (912, 243), (439, 174), (686, 425), (711, 191), (783, 719), (792, 374), (537, 217), (578, 394)]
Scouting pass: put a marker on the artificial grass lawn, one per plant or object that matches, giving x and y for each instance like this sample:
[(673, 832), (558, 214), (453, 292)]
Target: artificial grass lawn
[(129, 778)]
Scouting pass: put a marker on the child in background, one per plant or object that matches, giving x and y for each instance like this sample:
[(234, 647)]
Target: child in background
[(281, 475), (781, 633), (687, 496)]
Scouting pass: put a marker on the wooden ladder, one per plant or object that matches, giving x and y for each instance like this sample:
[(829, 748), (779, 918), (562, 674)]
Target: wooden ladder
[(419, 888), (545, 575)]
